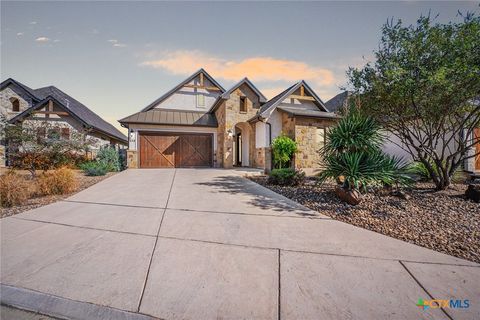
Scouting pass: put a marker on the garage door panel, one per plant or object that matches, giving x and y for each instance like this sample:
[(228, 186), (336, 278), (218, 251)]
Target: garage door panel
[(175, 150)]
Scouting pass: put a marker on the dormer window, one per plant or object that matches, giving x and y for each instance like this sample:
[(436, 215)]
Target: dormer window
[(15, 104), (243, 104)]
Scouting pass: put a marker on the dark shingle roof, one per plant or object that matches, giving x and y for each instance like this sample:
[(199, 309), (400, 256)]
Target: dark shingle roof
[(80, 111), (337, 102), (172, 117), (27, 89)]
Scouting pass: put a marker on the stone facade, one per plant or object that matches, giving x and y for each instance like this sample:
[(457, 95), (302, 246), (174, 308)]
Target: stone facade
[(229, 117), (6, 96), (132, 159), (309, 133)]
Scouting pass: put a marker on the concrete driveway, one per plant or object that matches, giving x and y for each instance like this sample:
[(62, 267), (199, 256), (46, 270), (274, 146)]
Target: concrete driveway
[(209, 244)]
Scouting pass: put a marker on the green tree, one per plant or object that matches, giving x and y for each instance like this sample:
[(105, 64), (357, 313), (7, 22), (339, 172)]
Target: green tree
[(424, 88)]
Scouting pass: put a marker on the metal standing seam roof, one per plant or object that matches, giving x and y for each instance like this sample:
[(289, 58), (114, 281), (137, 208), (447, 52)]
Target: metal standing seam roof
[(308, 113), (172, 117), (70, 105)]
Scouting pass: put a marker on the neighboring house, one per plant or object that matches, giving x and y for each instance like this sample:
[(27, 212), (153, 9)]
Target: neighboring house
[(200, 124), (21, 104), (340, 101)]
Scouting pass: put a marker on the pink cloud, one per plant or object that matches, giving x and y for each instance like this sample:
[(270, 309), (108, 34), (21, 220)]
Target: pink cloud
[(256, 68)]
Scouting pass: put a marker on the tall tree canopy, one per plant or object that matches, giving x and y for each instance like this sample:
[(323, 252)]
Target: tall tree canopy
[(424, 88)]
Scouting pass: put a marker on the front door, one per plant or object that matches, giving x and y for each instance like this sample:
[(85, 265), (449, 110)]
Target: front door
[(239, 150)]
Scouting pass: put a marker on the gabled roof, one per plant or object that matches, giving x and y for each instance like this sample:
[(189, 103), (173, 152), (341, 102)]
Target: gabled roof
[(182, 84), (337, 102), (275, 101), (73, 107), (172, 117), (249, 83), (23, 87), (226, 95)]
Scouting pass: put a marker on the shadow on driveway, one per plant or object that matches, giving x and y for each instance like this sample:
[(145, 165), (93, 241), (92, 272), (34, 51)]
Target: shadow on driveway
[(258, 196)]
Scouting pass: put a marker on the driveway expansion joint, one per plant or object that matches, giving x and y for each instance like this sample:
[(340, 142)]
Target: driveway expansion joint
[(155, 245), (423, 288)]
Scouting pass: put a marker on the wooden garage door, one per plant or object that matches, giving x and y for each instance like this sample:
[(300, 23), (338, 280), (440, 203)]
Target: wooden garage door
[(175, 150)]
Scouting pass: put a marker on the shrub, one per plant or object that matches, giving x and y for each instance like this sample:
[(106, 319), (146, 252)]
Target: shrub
[(59, 181), (283, 150), (94, 168), (353, 152), (419, 170), (110, 157), (14, 189), (286, 177)]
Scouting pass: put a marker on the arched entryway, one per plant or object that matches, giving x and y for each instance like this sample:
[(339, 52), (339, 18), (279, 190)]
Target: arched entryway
[(241, 145)]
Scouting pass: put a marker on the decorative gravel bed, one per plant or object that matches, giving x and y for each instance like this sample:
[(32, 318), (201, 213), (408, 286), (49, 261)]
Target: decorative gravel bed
[(83, 183), (443, 221)]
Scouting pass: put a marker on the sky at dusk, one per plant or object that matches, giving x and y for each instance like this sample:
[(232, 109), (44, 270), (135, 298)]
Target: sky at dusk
[(117, 57)]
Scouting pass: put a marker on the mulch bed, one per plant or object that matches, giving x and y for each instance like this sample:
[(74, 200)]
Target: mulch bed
[(83, 183), (443, 221)]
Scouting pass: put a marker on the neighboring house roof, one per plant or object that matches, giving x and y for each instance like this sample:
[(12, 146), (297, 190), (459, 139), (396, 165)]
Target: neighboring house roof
[(308, 113), (172, 117), (182, 84), (74, 107), (275, 101), (337, 102), (28, 90)]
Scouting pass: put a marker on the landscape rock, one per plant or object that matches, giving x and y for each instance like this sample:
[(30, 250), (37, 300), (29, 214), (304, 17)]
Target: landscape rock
[(473, 192), (352, 197)]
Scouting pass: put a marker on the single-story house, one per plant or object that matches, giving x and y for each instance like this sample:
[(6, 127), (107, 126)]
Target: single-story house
[(392, 146), (21, 104), (200, 124)]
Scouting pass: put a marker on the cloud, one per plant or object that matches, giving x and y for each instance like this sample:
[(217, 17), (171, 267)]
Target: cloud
[(117, 44), (256, 68), (20, 34), (272, 92), (42, 39), (33, 22), (56, 40)]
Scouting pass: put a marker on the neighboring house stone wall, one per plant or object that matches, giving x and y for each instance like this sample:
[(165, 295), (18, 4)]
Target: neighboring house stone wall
[(7, 94)]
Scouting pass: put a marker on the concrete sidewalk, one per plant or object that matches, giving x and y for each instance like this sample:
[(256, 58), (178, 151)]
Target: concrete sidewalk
[(207, 243)]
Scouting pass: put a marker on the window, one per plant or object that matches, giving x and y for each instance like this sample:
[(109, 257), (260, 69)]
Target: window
[(53, 134), (200, 100), (15, 104), (243, 104), (66, 133), (40, 134)]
